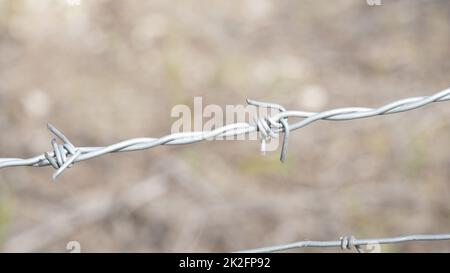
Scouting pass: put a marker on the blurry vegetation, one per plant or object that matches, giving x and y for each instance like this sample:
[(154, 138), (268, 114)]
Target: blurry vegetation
[(417, 154), (5, 217), (269, 164)]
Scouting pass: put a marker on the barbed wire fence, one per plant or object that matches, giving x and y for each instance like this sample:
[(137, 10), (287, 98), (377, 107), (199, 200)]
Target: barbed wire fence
[(64, 155)]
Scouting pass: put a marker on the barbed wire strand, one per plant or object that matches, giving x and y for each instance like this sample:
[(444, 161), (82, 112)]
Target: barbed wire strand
[(349, 242), (65, 155)]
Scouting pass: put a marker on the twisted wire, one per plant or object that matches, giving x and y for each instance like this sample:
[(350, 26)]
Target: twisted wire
[(64, 155), (349, 242)]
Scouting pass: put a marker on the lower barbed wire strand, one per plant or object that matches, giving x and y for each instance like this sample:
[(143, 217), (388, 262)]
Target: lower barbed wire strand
[(349, 242)]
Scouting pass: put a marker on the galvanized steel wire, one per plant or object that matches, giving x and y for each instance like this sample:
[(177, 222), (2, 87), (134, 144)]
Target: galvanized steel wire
[(350, 242), (64, 155)]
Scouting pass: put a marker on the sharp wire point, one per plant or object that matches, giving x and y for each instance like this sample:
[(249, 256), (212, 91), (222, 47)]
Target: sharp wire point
[(65, 165)]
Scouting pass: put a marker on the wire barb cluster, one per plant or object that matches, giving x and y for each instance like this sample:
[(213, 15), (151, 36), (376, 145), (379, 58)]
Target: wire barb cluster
[(64, 155), (269, 127)]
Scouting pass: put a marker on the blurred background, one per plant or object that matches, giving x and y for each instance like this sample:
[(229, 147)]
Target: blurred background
[(104, 71)]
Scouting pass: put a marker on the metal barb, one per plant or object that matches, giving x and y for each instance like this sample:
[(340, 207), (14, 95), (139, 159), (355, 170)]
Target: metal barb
[(267, 130), (64, 155), (65, 165), (348, 242)]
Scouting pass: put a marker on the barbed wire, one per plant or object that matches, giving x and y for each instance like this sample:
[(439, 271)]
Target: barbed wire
[(64, 155), (350, 242)]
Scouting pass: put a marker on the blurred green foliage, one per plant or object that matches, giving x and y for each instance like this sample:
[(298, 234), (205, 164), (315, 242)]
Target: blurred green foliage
[(5, 217), (417, 157), (266, 165)]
